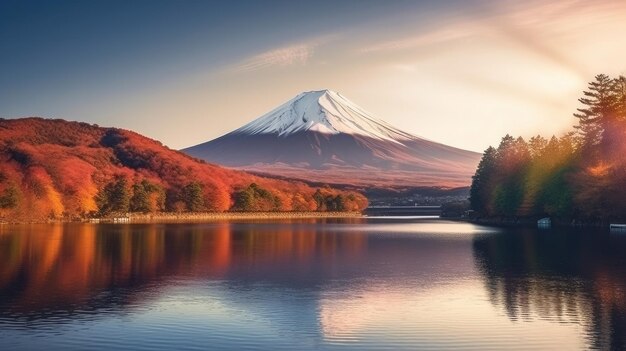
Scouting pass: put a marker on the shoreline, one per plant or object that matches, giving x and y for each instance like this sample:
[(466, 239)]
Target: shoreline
[(532, 222), (192, 217), (213, 216)]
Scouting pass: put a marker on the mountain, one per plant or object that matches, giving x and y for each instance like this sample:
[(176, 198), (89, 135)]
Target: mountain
[(54, 168), (321, 136)]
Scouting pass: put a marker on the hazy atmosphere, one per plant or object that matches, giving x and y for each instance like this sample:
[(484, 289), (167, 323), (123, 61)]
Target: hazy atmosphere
[(312, 175), (186, 72)]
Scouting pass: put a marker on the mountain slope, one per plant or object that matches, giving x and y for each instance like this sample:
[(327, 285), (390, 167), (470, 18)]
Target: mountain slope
[(321, 136), (53, 168)]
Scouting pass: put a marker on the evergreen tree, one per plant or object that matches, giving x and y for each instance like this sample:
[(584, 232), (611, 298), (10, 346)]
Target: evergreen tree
[(617, 148), (319, 200), (480, 191), (120, 196), (256, 198), (512, 163), (140, 201), (244, 200), (555, 197), (537, 146), (340, 203), (147, 197), (115, 197), (9, 197), (580, 175), (620, 98), (192, 196), (596, 118)]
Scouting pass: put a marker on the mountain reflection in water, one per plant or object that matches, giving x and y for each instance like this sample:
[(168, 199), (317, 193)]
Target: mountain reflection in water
[(308, 284)]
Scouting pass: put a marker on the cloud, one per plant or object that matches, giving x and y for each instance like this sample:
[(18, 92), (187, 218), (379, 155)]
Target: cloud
[(285, 56), (298, 54), (434, 37)]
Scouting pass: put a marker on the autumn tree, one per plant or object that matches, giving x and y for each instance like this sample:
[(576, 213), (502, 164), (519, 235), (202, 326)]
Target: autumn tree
[(216, 197)]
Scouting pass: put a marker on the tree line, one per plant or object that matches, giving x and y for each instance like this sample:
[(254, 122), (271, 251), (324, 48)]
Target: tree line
[(120, 196), (580, 175)]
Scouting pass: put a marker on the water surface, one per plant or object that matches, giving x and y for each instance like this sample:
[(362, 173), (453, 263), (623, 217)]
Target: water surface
[(348, 284)]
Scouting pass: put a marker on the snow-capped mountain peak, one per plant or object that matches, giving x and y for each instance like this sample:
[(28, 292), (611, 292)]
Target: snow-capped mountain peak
[(320, 136), (322, 111)]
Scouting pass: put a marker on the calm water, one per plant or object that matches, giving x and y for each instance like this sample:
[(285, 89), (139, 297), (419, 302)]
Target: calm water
[(352, 284)]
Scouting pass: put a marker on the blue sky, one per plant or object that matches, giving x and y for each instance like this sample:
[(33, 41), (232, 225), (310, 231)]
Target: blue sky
[(460, 72)]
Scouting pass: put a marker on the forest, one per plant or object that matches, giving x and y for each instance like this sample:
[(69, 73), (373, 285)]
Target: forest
[(59, 169), (578, 177)]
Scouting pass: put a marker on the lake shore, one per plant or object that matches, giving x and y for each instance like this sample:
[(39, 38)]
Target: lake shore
[(192, 217), (211, 216), (523, 222)]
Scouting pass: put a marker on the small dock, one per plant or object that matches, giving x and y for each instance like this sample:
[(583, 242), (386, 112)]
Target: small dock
[(110, 220), (617, 227), (544, 223)]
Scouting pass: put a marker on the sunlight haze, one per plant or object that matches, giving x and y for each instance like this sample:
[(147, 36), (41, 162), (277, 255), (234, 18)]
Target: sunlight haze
[(448, 72)]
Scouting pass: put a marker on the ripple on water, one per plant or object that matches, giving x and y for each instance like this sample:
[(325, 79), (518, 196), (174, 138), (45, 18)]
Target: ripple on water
[(392, 284)]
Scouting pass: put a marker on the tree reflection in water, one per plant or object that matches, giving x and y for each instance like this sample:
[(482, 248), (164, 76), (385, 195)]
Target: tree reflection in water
[(562, 276), (80, 270)]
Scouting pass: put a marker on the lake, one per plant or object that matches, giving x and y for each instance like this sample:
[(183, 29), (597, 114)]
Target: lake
[(350, 284)]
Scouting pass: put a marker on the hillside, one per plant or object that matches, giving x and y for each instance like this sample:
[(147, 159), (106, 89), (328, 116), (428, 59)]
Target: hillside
[(56, 168)]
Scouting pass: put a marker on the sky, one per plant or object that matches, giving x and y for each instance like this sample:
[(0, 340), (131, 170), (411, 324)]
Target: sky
[(463, 73)]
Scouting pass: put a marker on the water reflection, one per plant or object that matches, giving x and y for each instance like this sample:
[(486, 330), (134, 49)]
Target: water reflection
[(50, 268), (348, 284), (560, 276)]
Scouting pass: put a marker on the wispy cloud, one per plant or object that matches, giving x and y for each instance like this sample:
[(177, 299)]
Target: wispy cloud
[(285, 56), (434, 37), (298, 54)]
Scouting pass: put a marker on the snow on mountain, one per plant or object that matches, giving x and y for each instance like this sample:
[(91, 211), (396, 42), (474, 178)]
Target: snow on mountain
[(322, 111), (323, 137)]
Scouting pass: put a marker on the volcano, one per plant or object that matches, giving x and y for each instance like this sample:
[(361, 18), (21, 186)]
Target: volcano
[(322, 137)]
